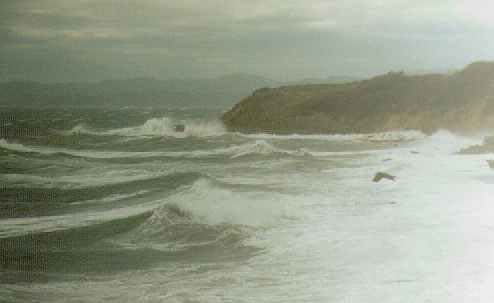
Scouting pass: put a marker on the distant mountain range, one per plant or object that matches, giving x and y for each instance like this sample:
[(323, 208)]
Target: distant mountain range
[(220, 92)]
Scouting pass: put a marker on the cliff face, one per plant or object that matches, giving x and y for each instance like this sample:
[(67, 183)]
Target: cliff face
[(460, 101)]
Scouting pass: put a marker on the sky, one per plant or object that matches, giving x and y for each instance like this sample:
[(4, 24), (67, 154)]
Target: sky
[(286, 40)]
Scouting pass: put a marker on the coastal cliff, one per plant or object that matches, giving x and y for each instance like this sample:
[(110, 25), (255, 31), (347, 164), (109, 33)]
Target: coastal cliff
[(462, 101)]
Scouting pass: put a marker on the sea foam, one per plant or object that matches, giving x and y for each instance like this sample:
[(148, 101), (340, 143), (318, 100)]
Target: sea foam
[(158, 127)]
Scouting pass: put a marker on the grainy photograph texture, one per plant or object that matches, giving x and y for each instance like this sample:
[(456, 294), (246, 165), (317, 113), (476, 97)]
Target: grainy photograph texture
[(241, 151)]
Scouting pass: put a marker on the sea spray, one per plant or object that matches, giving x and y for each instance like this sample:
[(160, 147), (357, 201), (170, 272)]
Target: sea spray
[(158, 127)]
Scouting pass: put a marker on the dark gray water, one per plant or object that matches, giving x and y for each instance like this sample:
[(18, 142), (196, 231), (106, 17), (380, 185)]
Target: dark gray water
[(116, 206)]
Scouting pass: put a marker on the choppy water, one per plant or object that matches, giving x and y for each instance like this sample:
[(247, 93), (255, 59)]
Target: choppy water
[(116, 206)]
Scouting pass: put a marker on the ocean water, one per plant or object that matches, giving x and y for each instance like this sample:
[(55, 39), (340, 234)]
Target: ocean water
[(116, 206)]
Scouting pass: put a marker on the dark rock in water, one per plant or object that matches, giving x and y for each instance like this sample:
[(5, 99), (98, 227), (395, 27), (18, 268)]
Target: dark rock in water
[(179, 128), (380, 175), (486, 147), (491, 163), (387, 159), (414, 152)]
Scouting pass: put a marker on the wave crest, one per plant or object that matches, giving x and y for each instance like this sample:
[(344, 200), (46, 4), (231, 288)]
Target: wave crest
[(403, 135), (158, 127), (261, 147), (258, 147)]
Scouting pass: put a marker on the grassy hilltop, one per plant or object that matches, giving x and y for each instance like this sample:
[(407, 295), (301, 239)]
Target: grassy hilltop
[(460, 101)]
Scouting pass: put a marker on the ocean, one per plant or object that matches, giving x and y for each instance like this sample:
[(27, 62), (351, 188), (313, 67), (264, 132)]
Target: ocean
[(118, 206)]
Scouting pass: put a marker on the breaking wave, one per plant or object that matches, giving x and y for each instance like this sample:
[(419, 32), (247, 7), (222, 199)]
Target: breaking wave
[(17, 147), (159, 127), (398, 136), (16, 227), (166, 127), (258, 147), (204, 212), (213, 202), (209, 212)]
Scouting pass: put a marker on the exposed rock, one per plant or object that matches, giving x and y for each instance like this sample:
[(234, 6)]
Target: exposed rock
[(486, 147), (491, 163), (179, 128), (380, 175), (460, 101)]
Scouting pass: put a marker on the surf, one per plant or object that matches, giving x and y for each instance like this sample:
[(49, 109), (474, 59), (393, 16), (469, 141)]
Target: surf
[(158, 127)]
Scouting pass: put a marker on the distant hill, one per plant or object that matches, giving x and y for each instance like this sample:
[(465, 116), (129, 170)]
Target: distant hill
[(463, 100), (172, 93)]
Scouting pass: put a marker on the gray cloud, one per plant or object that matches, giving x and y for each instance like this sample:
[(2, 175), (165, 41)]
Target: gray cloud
[(56, 40)]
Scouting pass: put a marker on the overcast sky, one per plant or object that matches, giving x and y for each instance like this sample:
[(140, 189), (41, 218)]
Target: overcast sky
[(72, 40)]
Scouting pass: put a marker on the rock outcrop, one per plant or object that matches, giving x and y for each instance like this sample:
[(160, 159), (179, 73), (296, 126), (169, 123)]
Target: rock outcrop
[(380, 175), (179, 128), (490, 163), (461, 101), (486, 147)]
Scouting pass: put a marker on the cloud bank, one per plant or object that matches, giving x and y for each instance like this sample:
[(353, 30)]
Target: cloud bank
[(80, 40)]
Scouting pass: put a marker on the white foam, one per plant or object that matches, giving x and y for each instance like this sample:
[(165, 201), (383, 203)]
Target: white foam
[(79, 153), (111, 198), (262, 147), (443, 142), (214, 205), (159, 127), (18, 147), (434, 243), (259, 147), (90, 177), (23, 226), (404, 135)]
